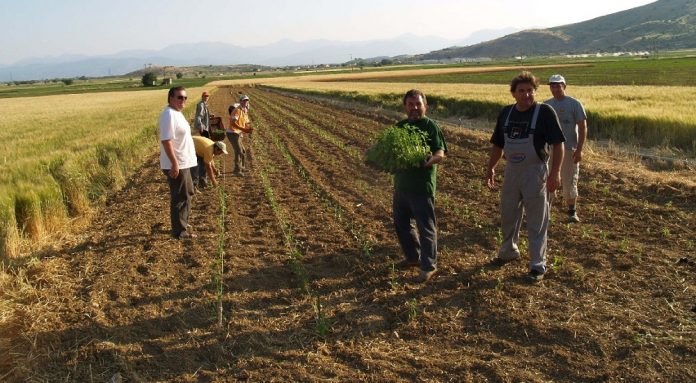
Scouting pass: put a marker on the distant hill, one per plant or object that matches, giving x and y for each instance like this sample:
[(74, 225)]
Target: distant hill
[(280, 53), (663, 25)]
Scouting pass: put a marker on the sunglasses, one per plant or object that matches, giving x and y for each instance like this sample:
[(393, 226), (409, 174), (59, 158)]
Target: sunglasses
[(181, 97)]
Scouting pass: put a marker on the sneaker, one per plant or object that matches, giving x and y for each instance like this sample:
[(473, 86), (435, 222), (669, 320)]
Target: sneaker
[(573, 218), (535, 275), (406, 264), (425, 276)]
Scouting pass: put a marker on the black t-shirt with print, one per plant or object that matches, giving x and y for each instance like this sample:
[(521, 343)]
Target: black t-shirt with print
[(547, 132)]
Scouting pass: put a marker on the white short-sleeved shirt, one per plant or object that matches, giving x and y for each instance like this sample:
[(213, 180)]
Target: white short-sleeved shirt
[(174, 127), (570, 111)]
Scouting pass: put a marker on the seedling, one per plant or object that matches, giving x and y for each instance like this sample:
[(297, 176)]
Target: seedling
[(665, 232), (623, 245), (323, 325), (393, 283), (499, 284), (557, 262), (412, 309)]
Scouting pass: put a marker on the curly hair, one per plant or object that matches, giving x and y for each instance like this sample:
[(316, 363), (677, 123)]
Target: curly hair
[(524, 77)]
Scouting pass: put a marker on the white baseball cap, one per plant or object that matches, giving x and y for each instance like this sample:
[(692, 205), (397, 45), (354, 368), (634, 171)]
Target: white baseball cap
[(221, 145), (557, 78)]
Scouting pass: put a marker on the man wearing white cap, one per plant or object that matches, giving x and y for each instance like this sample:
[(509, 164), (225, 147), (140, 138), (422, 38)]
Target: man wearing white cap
[(573, 119), (206, 149), (239, 123)]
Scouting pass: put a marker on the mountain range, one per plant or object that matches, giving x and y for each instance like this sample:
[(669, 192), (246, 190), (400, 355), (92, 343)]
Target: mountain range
[(662, 25), (278, 54)]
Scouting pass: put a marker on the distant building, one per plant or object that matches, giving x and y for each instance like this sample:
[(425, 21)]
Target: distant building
[(167, 81)]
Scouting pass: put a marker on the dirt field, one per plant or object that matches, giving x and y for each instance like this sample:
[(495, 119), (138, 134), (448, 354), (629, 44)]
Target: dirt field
[(310, 293)]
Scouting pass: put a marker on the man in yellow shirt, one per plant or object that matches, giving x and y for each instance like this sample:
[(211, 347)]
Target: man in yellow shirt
[(239, 123), (206, 149)]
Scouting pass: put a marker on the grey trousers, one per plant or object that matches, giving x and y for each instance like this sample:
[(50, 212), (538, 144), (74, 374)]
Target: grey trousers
[(239, 152), (525, 189), (420, 245), (180, 192)]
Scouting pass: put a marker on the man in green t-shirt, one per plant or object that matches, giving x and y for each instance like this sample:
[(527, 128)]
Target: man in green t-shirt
[(414, 193)]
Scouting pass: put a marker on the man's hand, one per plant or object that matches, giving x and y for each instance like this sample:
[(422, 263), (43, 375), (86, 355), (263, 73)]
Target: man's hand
[(553, 182), (490, 178), (577, 156), (174, 171), (426, 163)]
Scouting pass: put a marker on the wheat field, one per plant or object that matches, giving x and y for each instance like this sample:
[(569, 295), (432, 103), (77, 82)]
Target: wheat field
[(62, 153)]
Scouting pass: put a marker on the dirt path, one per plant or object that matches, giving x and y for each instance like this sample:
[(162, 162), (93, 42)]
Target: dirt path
[(309, 293)]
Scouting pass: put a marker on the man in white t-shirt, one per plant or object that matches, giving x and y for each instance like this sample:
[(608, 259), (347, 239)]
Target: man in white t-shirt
[(571, 115), (177, 158)]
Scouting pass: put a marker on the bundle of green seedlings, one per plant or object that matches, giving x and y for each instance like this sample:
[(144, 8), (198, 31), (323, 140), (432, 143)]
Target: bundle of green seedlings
[(398, 148)]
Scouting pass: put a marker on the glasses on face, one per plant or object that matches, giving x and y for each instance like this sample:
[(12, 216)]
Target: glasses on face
[(183, 98)]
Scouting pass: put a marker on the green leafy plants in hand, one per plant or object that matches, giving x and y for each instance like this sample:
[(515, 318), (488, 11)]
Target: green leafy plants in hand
[(398, 148)]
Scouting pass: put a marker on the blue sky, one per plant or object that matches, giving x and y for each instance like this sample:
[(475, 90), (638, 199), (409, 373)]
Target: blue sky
[(47, 28)]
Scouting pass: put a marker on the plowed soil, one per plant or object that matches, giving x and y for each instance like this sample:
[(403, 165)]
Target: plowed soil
[(309, 291)]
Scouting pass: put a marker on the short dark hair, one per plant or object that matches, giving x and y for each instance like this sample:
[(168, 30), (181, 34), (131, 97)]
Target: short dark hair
[(524, 77), (415, 93), (174, 90)]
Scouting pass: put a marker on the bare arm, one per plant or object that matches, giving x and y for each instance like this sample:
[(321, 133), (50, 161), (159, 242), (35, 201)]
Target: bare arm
[(496, 155), (582, 137), (211, 173), (436, 158), (169, 151), (554, 180)]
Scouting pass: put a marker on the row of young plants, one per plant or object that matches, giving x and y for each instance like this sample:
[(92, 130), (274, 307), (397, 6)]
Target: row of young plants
[(326, 155), (365, 193), (283, 218), (297, 118)]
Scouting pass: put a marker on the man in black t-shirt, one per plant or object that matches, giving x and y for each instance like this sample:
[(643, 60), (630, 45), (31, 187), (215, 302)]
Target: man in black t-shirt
[(523, 132)]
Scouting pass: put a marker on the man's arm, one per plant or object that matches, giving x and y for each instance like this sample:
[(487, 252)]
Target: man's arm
[(169, 151), (496, 155), (211, 173), (582, 137), (554, 180), (245, 129), (435, 158)]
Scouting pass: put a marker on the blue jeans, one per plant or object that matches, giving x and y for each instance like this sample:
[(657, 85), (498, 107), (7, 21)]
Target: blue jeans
[(419, 243)]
